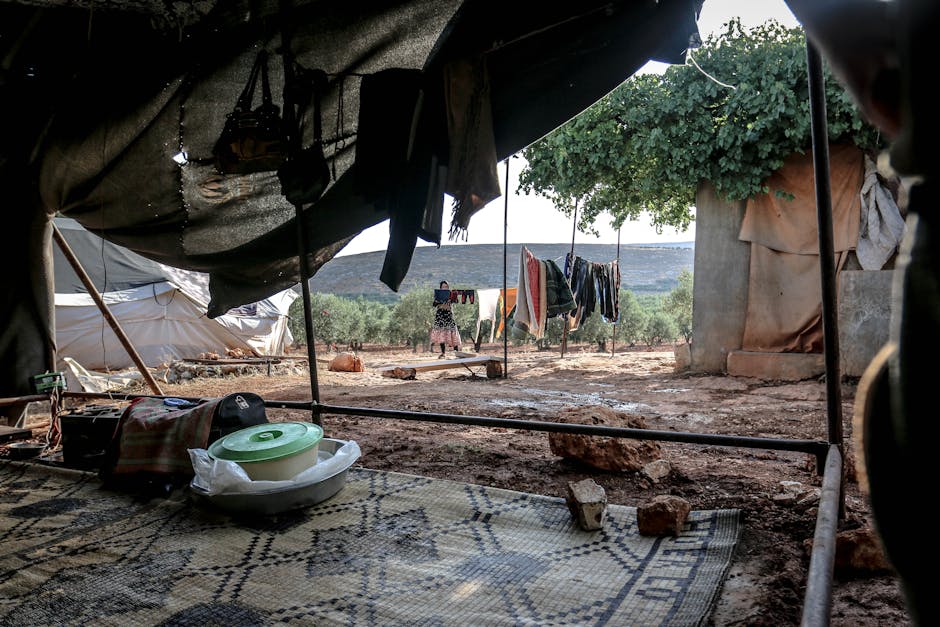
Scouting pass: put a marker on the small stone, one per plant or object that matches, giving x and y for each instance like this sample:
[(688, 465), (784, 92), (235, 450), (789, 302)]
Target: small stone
[(588, 504), (657, 470), (859, 550), (663, 515)]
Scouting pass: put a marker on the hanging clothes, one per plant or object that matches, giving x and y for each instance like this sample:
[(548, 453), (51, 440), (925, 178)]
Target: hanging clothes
[(506, 302), (543, 292), (594, 286)]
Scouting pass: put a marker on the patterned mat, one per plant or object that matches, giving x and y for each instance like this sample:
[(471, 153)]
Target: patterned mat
[(388, 549)]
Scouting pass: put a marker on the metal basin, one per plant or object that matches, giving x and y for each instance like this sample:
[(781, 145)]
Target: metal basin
[(276, 501)]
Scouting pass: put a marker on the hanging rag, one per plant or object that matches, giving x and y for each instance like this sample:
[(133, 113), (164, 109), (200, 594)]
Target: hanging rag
[(472, 179), (881, 227)]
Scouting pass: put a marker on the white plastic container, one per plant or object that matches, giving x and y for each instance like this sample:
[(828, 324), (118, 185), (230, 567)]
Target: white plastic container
[(275, 451)]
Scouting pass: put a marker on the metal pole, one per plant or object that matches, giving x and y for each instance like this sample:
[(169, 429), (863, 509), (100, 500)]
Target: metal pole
[(294, 145), (820, 134), (613, 339), (505, 289), (574, 228), (108, 316), (818, 448), (817, 601)]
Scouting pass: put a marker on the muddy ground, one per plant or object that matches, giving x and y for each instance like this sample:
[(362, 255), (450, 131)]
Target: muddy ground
[(766, 584)]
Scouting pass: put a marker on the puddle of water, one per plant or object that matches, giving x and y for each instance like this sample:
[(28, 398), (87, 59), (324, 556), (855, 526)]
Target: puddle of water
[(558, 398), (671, 390), (701, 419)]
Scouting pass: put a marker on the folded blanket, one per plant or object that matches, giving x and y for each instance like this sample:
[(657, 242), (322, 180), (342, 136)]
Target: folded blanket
[(154, 437)]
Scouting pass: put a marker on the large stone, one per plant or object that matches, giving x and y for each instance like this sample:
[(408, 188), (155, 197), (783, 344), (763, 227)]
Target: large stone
[(603, 452), (683, 353), (662, 515), (346, 362), (859, 550), (407, 374)]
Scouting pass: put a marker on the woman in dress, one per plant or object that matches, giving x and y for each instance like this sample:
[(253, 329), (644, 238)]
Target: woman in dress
[(444, 331)]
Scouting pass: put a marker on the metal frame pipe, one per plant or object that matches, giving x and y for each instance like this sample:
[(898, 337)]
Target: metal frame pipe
[(827, 270), (817, 602), (813, 447)]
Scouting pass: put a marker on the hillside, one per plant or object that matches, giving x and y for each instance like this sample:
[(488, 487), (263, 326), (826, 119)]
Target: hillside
[(644, 268)]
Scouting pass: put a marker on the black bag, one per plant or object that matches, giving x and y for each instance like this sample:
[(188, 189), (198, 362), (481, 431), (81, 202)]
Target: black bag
[(253, 140), (235, 412)]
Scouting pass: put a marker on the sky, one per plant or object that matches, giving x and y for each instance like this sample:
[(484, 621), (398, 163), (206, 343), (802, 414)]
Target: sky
[(532, 219)]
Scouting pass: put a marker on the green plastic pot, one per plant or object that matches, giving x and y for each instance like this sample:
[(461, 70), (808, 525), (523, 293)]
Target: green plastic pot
[(275, 451)]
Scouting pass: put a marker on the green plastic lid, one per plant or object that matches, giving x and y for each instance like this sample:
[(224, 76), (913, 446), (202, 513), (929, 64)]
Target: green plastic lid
[(267, 442)]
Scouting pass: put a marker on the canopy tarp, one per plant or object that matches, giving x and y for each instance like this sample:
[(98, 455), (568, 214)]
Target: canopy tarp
[(421, 99)]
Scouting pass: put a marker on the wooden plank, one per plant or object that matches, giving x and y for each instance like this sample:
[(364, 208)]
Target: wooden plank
[(442, 364)]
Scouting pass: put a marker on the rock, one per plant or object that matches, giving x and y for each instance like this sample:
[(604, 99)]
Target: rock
[(683, 353), (603, 452), (859, 550), (345, 362), (663, 515), (494, 369), (657, 471), (408, 374), (588, 504)]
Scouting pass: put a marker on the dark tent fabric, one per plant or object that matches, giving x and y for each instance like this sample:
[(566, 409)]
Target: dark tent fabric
[(113, 268), (94, 129)]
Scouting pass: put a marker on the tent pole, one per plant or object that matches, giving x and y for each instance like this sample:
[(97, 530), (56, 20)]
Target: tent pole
[(108, 316), (613, 339), (303, 244), (574, 227), (505, 290)]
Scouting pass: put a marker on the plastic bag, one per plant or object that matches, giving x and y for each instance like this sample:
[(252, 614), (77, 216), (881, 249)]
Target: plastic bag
[(219, 476)]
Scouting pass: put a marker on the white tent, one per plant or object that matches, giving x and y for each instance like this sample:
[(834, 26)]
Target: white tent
[(161, 309)]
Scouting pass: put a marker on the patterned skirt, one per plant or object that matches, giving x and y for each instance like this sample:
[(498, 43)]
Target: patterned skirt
[(445, 330)]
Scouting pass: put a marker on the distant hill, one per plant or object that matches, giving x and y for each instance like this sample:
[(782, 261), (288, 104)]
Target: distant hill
[(644, 268)]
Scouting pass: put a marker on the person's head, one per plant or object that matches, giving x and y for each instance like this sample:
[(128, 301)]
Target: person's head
[(444, 285)]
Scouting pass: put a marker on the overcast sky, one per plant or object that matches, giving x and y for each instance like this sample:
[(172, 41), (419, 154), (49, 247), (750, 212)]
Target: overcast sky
[(535, 220)]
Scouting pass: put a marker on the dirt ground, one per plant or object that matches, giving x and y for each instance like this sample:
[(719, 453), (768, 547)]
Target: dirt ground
[(766, 583)]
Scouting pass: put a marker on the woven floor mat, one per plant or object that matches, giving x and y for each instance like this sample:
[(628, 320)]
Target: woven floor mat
[(388, 549)]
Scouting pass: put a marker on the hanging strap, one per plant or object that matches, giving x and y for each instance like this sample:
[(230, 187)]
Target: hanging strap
[(248, 93)]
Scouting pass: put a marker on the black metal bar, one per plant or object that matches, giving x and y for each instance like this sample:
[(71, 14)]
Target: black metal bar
[(814, 447), (303, 244), (817, 602), (830, 314), (505, 290)]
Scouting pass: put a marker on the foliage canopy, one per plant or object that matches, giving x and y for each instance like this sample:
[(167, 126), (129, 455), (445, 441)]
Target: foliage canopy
[(648, 144)]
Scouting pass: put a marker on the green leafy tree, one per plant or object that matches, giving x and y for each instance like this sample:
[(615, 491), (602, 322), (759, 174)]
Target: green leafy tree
[(412, 318), (375, 320), (659, 328), (323, 321), (633, 318), (347, 322), (594, 330), (648, 145), (678, 303)]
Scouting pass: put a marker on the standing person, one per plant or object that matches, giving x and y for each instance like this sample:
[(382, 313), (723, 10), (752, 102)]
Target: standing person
[(444, 331)]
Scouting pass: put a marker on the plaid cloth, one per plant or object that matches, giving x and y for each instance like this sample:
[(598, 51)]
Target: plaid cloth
[(153, 437)]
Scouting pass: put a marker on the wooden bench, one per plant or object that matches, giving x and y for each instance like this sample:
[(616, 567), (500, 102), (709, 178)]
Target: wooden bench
[(494, 366)]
